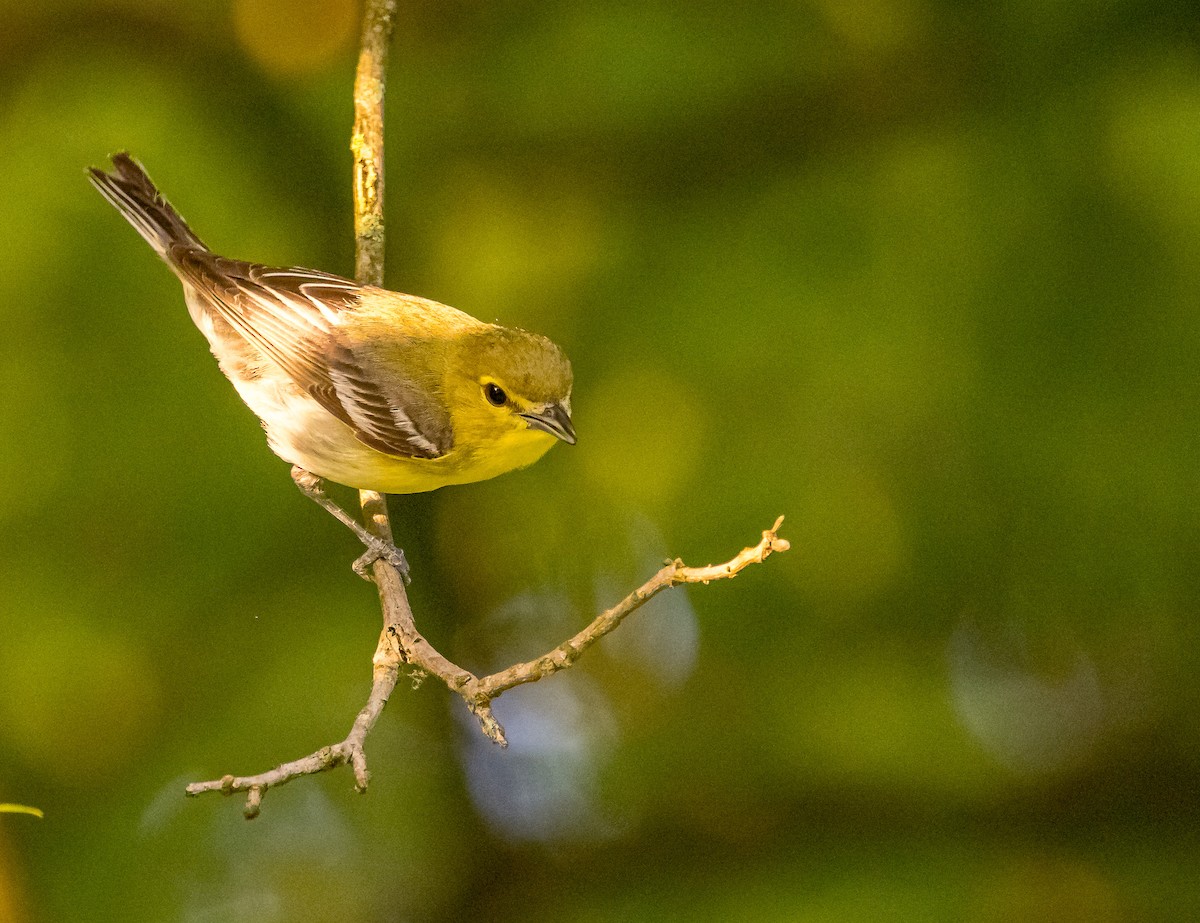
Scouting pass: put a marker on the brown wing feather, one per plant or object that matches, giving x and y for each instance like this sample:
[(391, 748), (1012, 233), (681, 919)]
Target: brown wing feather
[(292, 315)]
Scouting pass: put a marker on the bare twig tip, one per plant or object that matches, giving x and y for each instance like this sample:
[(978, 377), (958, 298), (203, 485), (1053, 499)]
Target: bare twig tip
[(253, 802), (361, 777), (772, 541)]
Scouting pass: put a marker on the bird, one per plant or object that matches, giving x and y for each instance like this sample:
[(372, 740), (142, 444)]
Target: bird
[(355, 384)]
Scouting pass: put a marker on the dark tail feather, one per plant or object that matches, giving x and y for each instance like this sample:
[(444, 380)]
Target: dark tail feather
[(132, 193)]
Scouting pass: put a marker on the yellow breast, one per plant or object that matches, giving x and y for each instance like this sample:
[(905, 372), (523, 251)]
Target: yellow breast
[(302, 432), (463, 465)]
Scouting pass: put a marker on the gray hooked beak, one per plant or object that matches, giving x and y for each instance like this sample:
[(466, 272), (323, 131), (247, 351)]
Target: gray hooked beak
[(553, 419)]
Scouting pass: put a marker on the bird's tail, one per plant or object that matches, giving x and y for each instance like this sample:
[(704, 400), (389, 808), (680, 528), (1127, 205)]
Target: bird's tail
[(132, 193)]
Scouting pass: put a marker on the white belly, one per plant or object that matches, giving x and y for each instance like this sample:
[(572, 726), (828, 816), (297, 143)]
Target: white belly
[(299, 430)]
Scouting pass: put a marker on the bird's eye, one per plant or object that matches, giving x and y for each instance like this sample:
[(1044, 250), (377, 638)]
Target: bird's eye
[(495, 394)]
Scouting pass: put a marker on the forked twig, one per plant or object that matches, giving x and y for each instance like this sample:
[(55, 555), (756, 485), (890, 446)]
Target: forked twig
[(400, 643)]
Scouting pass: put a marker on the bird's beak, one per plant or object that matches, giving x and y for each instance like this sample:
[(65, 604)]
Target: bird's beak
[(553, 419)]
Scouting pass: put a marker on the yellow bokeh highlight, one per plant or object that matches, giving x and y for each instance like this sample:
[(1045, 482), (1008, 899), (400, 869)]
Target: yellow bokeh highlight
[(643, 438), (873, 25), (1153, 151), (77, 704), (37, 424), (291, 38), (878, 717), (852, 535), (506, 252)]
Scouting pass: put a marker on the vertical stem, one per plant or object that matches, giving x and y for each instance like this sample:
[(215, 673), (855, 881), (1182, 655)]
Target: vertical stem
[(370, 81)]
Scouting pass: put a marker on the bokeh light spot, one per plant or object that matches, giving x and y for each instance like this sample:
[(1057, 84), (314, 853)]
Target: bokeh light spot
[(294, 37), (516, 254), (545, 785), (76, 703), (852, 536), (879, 717), (36, 422), (662, 646), (1026, 721), (874, 25), (645, 435)]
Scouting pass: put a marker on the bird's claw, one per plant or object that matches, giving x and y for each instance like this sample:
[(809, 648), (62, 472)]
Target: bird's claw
[(379, 550)]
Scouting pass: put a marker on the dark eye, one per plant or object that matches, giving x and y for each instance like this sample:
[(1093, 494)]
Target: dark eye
[(495, 394)]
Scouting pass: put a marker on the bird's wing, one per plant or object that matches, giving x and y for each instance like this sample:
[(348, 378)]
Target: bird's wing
[(293, 316)]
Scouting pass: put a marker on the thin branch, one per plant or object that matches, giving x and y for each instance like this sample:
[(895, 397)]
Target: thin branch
[(399, 642), (675, 573), (349, 751), (478, 693), (370, 82)]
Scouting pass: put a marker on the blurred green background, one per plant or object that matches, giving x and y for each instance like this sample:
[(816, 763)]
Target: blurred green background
[(922, 275)]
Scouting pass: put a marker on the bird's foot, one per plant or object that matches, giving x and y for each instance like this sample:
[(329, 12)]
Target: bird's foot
[(379, 550)]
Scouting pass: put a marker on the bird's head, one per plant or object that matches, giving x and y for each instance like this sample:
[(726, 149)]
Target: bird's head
[(513, 388)]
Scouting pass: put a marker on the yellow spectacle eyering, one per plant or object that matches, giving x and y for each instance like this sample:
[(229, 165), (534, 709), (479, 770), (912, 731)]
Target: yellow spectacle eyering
[(370, 388)]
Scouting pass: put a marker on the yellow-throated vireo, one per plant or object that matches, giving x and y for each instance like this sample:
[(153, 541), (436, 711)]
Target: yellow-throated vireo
[(365, 387)]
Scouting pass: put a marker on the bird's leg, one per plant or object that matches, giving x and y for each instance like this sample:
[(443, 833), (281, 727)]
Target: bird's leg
[(310, 486)]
